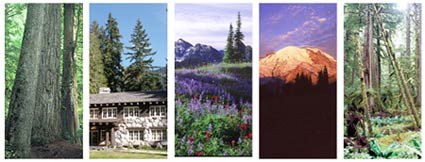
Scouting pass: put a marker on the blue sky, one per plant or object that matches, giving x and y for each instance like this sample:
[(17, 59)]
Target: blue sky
[(209, 23), (304, 25), (154, 21)]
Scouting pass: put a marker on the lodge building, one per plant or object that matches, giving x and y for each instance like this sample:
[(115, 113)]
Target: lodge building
[(128, 119)]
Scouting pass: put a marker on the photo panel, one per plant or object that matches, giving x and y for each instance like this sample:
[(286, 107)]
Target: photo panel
[(382, 91), (43, 81), (213, 61), (128, 81), (298, 80)]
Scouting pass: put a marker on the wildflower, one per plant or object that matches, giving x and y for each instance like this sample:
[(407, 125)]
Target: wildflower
[(190, 151), (250, 135), (215, 99), (233, 143), (199, 146), (200, 153), (191, 139), (245, 125), (207, 135), (210, 127), (239, 140)]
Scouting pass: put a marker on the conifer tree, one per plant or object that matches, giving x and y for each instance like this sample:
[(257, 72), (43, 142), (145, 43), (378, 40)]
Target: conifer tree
[(239, 47), (229, 52), (97, 74), (112, 55), (139, 75)]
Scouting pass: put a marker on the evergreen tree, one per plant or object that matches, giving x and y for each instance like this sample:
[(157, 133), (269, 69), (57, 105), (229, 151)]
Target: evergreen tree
[(229, 52), (112, 55), (323, 78), (139, 75), (239, 47), (97, 74), (248, 53)]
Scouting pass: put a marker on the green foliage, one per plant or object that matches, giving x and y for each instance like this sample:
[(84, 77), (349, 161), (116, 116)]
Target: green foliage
[(79, 66), (138, 76), (15, 14), (228, 51), (238, 41), (111, 49), (97, 74), (235, 50)]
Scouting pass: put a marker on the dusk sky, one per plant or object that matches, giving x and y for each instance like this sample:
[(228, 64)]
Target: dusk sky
[(303, 25), (209, 23), (154, 21)]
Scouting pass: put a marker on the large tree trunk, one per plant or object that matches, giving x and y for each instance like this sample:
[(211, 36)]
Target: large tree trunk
[(365, 100), (69, 82), (405, 91), (378, 61), (46, 124), (418, 12), (23, 98), (368, 61)]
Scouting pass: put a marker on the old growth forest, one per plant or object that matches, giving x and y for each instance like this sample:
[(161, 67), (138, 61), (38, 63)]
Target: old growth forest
[(43, 63), (382, 103)]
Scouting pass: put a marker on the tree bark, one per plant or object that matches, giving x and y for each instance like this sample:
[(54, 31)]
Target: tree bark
[(368, 55), (69, 82), (23, 98), (46, 124), (405, 91), (418, 42), (365, 100)]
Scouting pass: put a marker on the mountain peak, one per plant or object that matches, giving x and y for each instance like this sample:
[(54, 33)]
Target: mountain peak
[(290, 61)]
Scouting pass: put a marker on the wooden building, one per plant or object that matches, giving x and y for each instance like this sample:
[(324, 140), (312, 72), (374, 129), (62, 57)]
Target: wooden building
[(128, 119)]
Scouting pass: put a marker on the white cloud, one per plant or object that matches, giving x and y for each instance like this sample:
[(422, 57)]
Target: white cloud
[(209, 24)]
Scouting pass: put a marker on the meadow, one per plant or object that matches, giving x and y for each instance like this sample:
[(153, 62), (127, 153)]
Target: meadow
[(214, 110)]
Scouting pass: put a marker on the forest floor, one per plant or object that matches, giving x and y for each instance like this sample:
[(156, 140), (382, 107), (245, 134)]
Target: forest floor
[(394, 138), (58, 149)]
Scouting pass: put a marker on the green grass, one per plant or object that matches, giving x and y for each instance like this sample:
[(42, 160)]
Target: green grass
[(218, 68), (124, 155)]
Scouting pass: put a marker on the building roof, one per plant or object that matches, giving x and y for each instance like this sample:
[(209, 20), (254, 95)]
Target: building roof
[(126, 97)]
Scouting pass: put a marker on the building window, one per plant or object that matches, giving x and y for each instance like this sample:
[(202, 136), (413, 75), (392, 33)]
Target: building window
[(102, 135), (158, 111), (109, 113), (94, 113), (159, 134), (135, 135), (131, 112)]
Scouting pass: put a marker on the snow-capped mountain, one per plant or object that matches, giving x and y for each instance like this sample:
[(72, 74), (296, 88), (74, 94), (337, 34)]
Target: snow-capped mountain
[(290, 61), (180, 49), (189, 55)]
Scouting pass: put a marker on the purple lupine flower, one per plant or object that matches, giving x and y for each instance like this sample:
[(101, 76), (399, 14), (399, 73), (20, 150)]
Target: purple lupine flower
[(199, 146), (190, 151), (210, 127)]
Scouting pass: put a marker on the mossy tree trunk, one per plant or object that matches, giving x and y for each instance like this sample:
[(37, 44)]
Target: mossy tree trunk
[(69, 82), (365, 100), (405, 91), (23, 98)]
